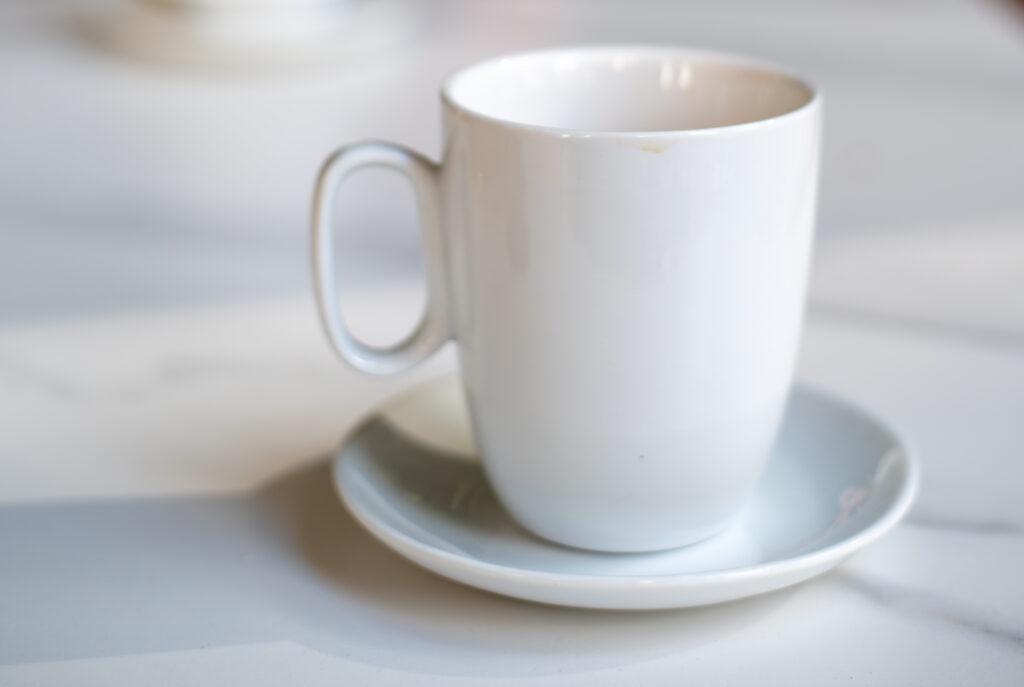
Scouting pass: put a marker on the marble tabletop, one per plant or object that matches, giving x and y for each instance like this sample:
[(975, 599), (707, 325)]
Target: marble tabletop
[(170, 404)]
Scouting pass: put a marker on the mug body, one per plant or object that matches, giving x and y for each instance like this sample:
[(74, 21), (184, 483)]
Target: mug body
[(627, 233)]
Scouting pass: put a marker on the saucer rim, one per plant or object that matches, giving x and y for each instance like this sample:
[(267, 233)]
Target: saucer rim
[(818, 559)]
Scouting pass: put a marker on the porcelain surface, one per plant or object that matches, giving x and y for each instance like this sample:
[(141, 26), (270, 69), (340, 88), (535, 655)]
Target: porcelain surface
[(838, 479), (617, 239)]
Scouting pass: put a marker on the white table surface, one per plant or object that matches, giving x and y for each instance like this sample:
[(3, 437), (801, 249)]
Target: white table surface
[(169, 403)]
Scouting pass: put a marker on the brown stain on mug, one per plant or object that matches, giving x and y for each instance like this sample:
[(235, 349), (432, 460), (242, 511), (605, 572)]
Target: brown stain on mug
[(653, 147)]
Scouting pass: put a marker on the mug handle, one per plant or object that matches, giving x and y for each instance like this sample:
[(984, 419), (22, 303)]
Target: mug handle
[(433, 328)]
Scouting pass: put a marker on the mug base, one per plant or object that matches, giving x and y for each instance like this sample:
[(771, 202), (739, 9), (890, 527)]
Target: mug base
[(632, 545)]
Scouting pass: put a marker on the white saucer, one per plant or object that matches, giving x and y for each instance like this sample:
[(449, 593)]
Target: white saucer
[(839, 479)]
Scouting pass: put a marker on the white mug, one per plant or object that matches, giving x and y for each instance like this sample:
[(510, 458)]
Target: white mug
[(617, 240)]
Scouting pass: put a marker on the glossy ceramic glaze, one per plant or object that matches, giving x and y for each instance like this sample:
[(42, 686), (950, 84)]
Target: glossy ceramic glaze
[(838, 479), (617, 240)]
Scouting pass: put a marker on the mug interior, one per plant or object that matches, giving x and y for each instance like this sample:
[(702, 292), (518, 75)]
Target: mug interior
[(624, 89)]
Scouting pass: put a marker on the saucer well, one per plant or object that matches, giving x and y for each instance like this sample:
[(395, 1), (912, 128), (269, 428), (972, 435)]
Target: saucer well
[(839, 478)]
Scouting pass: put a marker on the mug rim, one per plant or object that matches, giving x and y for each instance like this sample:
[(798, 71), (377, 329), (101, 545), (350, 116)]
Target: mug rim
[(713, 56)]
